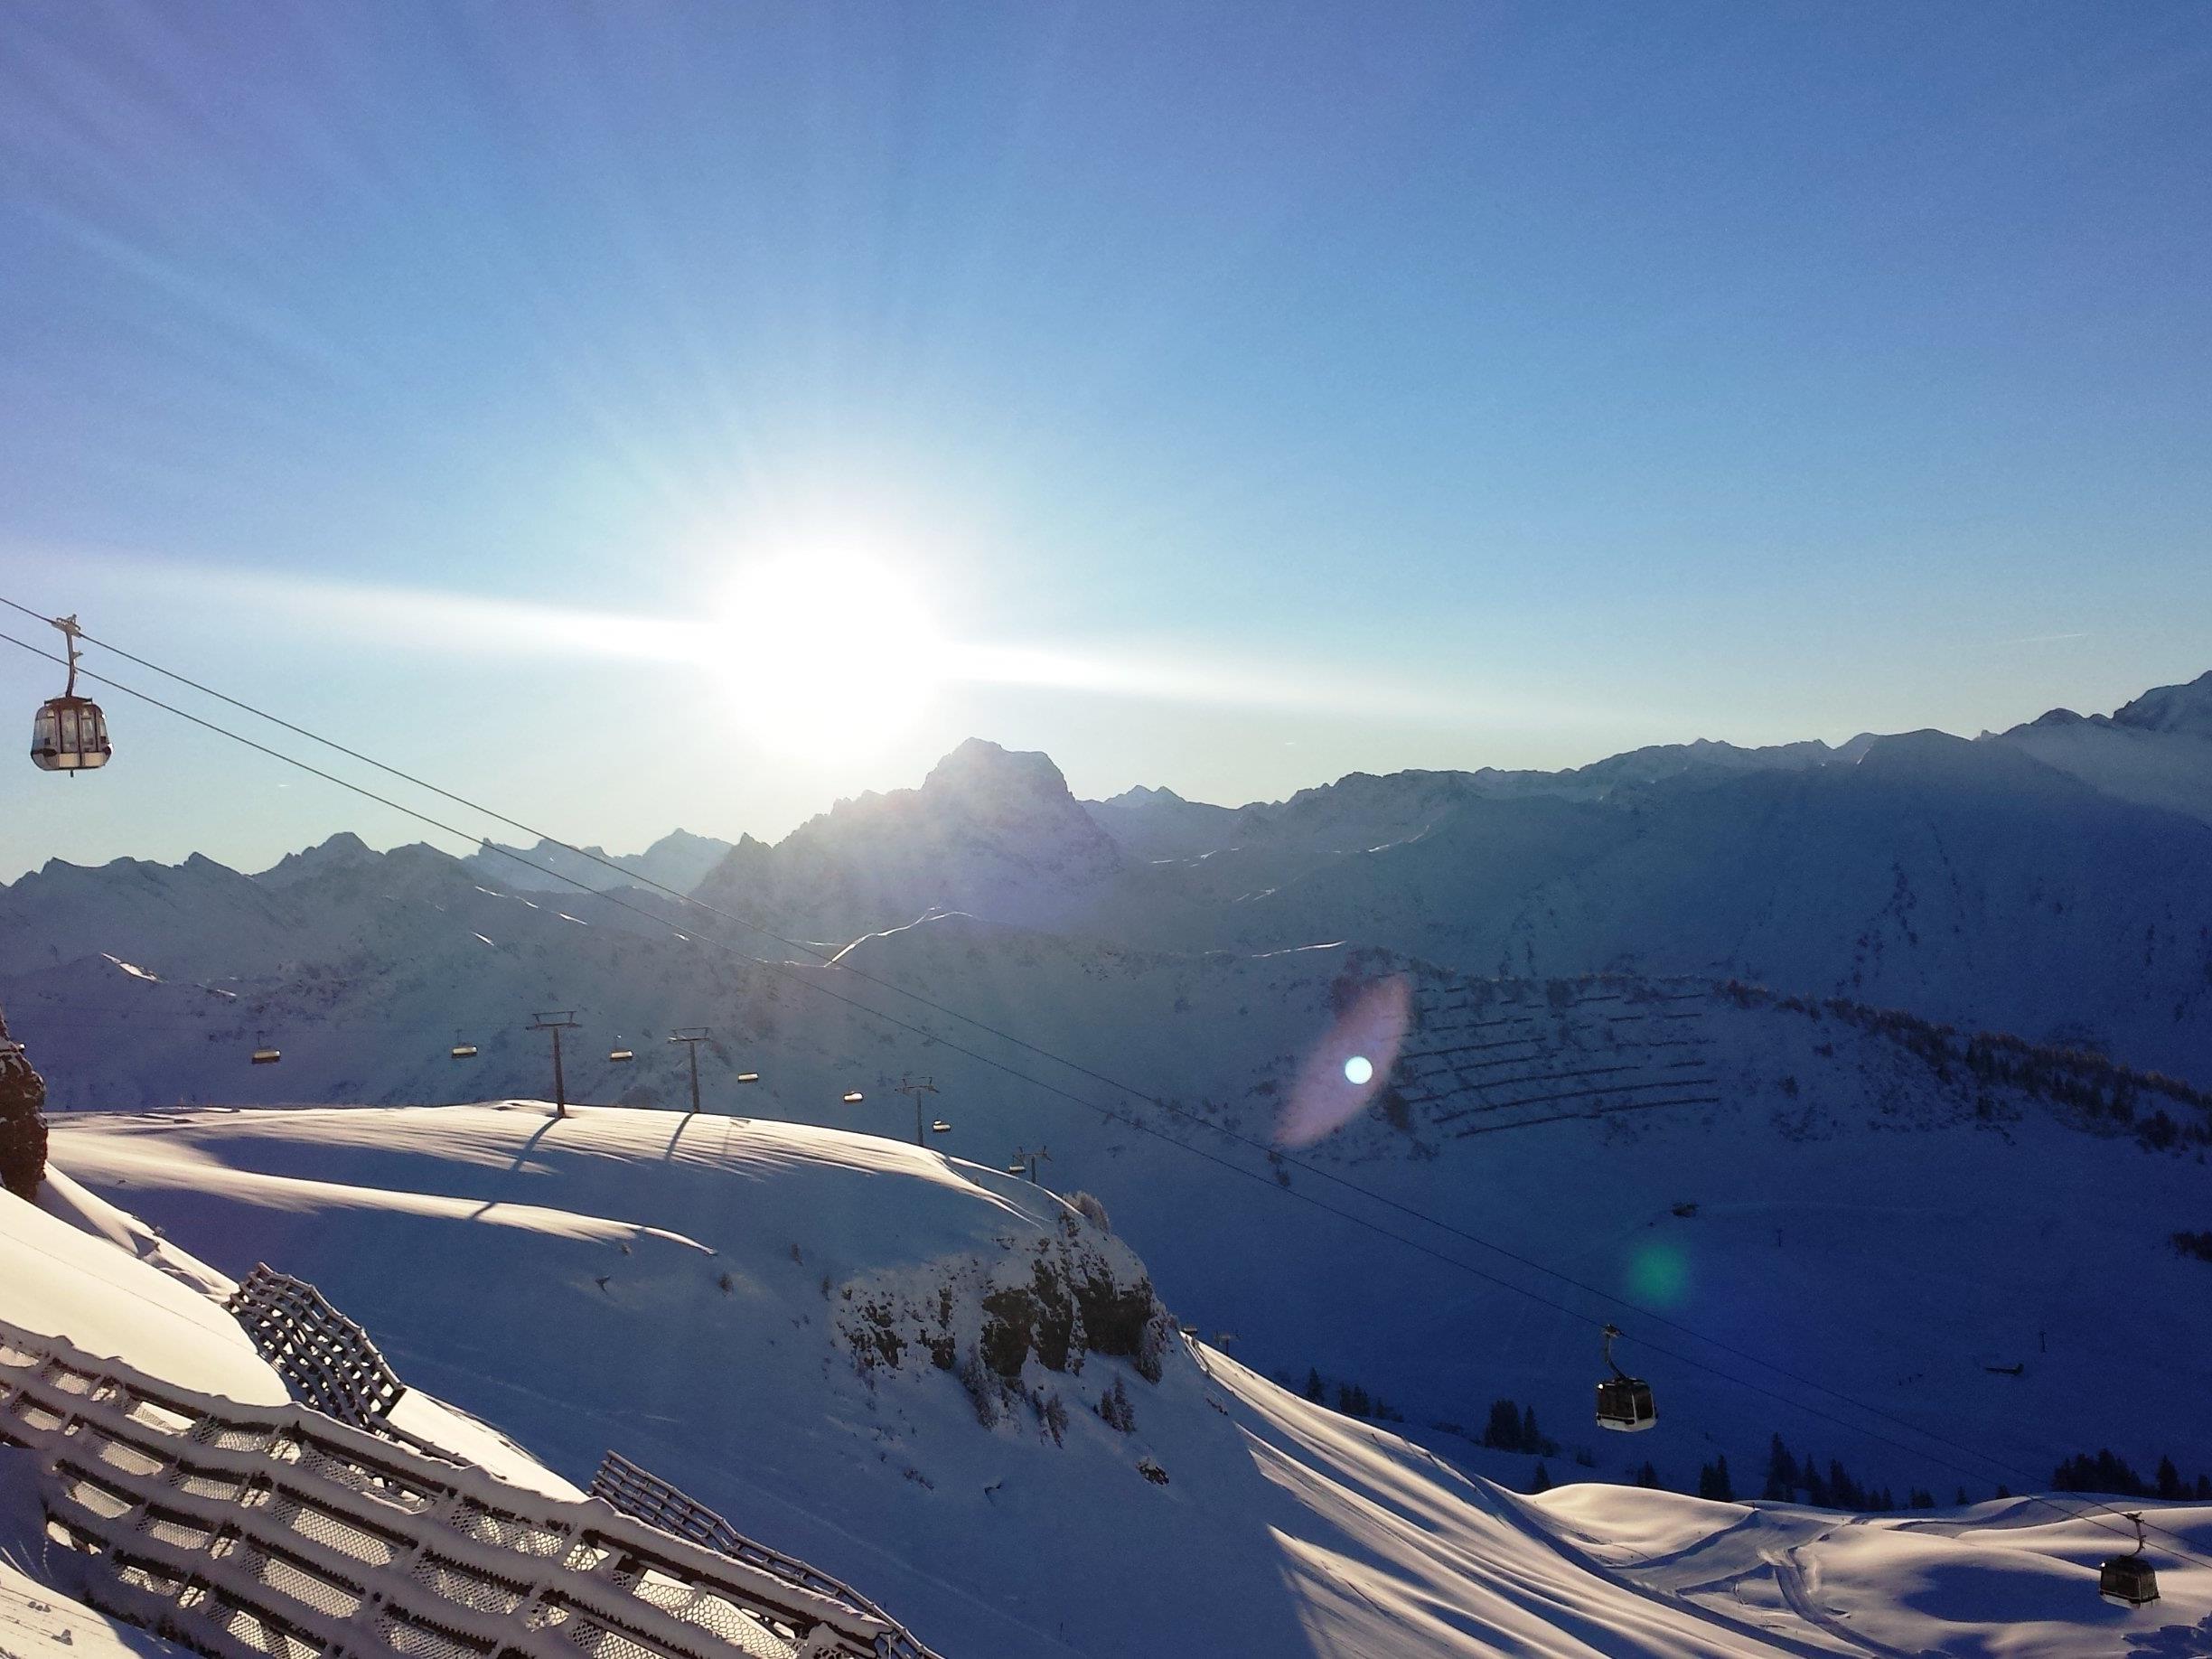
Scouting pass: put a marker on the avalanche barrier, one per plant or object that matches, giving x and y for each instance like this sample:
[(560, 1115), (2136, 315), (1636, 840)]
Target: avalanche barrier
[(277, 1533)]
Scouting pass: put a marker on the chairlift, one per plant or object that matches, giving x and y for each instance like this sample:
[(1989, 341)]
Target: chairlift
[(463, 1051), (69, 733), (619, 1055), (2127, 1580), (1018, 1167), (265, 1055), (852, 1097), (1624, 1402), (748, 1077), (940, 1127)]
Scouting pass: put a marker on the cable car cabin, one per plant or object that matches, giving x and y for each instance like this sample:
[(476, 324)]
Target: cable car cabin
[(2128, 1582), (465, 1051), (940, 1127), (1625, 1404), (69, 734), (266, 1056), (852, 1097), (748, 1077)]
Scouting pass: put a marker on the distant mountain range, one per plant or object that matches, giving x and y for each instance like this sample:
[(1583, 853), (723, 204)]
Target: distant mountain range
[(1206, 954), (2054, 880)]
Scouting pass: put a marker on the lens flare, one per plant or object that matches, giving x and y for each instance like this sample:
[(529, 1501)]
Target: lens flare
[(1659, 1275), (1350, 1066)]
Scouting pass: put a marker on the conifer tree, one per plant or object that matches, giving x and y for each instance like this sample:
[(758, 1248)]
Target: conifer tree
[(1781, 1471)]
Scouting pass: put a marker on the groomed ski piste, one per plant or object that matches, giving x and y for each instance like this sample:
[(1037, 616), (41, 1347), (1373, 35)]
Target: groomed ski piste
[(840, 1342)]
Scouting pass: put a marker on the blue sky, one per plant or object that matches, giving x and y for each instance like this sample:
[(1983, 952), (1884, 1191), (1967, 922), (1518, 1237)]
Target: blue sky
[(1226, 397)]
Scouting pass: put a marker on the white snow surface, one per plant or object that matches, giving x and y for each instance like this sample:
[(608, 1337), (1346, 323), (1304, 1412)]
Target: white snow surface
[(675, 1288)]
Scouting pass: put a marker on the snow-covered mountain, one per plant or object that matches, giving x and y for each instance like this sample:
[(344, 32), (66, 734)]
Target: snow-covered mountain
[(757, 1310), (2156, 750), (990, 830), (1965, 881), (679, 860)]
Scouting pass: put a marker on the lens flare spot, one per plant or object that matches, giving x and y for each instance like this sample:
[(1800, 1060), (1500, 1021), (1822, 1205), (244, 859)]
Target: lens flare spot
[(1349, 1068), (1659, 1274)]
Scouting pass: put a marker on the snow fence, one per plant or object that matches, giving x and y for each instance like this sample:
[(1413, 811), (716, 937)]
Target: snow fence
[(277, 1533)]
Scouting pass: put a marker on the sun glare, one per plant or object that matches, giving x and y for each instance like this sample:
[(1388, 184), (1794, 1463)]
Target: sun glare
[(826, 653)]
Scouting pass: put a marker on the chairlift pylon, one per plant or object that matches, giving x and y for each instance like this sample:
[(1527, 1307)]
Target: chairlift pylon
[(2128, 1581), (1624, 1402), (69, 733)]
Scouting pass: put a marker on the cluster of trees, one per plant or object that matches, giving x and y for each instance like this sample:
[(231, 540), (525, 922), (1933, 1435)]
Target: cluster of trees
[(1352, 1400), (2108, 1473), (2196, 1245), (2091, 1084), (1787, 1476), (1512, 1428)]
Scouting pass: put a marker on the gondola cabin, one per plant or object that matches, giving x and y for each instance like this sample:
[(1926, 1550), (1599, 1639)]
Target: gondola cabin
[(266, 1056), (2128, 1581), (1625, 1405), (1624, 1402), (69, 733)]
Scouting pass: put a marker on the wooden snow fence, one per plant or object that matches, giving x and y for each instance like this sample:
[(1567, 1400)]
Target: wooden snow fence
[(326, 1360), (277, 1533)]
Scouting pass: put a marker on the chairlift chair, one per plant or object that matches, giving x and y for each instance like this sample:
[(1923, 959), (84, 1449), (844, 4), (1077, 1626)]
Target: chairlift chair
[(69, 733), (264, 1054), (1018, 1167), (619, 1055), (2127, 1580), (852, 1097), (463, 1051), (940, 1127), (748, 1077), (1624, 1402)]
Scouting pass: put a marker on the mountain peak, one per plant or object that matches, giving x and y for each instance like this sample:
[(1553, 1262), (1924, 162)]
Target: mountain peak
[(981, 768), (337, 852), (2184, 709)]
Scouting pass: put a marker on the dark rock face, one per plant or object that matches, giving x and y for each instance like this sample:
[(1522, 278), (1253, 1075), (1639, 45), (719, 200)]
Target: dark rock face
[(22, 1121)]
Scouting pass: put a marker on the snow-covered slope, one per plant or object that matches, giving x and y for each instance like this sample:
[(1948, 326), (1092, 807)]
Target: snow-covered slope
[(1826, 1154), (712, 1296)]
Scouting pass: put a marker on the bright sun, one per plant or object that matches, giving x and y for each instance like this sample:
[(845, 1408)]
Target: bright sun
[(826, 653)]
